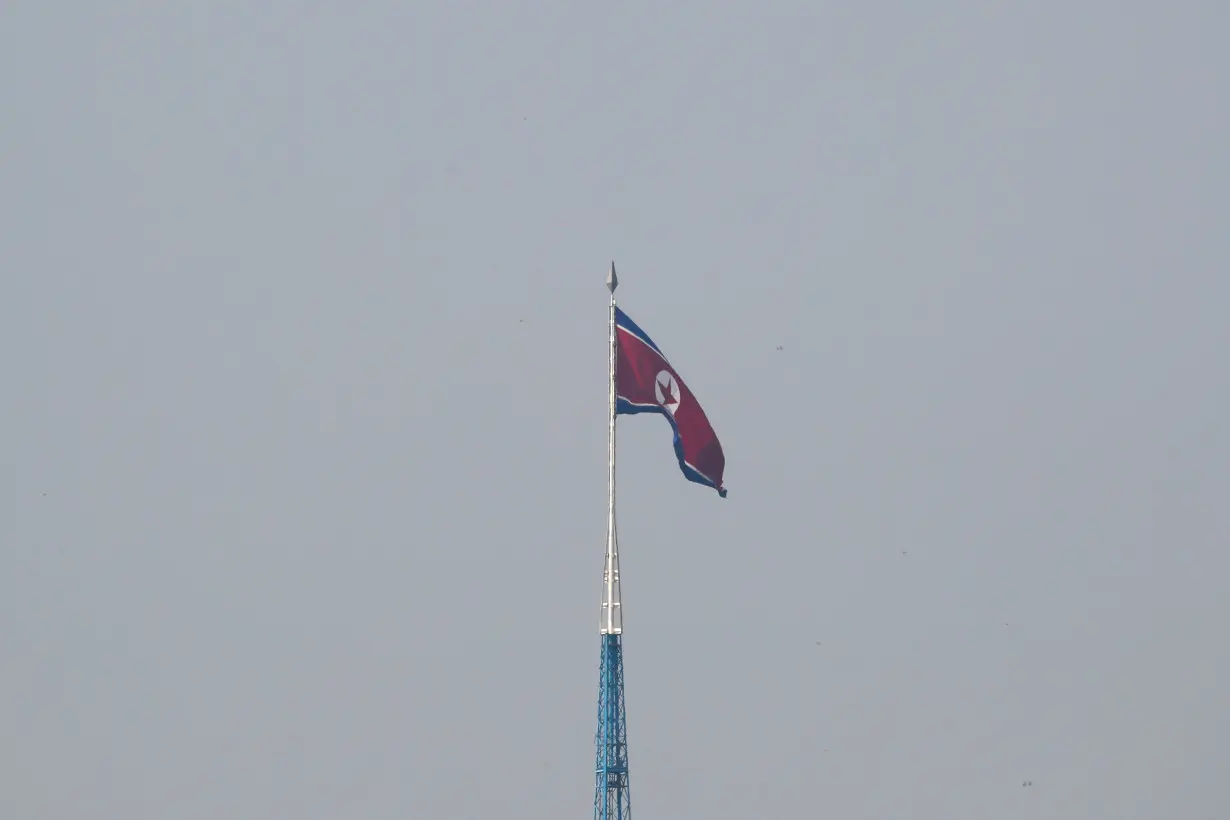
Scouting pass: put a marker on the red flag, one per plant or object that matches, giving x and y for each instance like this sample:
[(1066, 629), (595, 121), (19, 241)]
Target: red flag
[(645, 382)]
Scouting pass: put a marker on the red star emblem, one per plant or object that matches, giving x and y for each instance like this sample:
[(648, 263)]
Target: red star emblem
[(668, 398)]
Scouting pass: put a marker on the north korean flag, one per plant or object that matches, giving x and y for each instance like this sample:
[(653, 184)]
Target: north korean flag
[(645, 382)]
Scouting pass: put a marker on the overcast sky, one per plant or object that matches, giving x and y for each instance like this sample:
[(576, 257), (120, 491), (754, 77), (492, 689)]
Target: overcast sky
[(302, 436)]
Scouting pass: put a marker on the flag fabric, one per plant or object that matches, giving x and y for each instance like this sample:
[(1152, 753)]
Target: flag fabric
[(645, 382)]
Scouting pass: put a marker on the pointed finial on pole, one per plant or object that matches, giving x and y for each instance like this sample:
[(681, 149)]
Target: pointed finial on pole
[(612, 281)]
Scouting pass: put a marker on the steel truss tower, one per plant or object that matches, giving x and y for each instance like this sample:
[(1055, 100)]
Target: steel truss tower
[(611, 795)]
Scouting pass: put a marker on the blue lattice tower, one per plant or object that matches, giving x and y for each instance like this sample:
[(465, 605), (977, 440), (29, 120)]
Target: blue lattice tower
[(611, 795)]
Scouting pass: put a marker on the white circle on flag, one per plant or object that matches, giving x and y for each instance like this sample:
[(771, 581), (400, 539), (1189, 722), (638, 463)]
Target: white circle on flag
[(666, 390)]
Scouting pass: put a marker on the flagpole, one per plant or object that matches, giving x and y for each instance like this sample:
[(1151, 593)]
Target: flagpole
[(612, 612), (611, 795)]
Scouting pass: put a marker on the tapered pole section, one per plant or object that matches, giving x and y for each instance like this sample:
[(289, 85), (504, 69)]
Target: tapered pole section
[(612, 615)]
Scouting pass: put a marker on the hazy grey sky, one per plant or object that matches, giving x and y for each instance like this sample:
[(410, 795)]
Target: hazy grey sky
[(303, 443)]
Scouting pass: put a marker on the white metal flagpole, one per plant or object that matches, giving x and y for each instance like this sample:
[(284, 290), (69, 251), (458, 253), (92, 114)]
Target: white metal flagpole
[(612, 615)]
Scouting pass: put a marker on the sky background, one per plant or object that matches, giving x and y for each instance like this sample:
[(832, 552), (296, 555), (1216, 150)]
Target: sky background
[(303, 446)]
